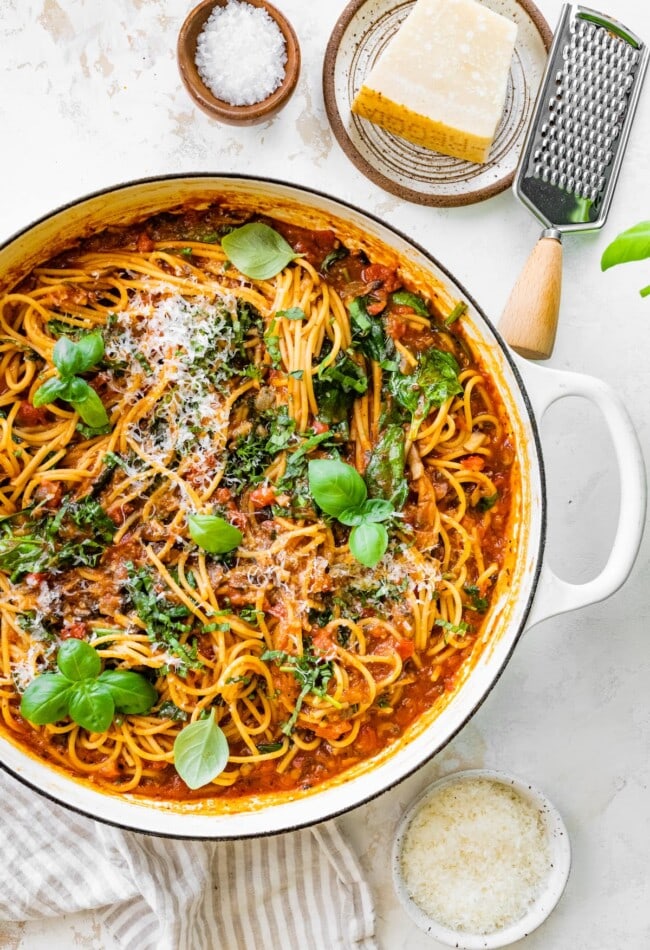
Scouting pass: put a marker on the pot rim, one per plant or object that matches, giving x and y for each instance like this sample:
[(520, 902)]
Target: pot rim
[(539, 553)]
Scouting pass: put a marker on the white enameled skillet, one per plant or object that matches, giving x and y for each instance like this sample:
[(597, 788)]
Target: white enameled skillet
[(533, 592)]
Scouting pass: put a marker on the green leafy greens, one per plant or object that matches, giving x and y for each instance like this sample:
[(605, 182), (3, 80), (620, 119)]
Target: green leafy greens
[(200, 752), (163, 619), (312, 672), (339, 490), (76, 536), (432, 382), (71, 358), (257, 250), (630, 245), (214, 534), (80, 690), (369, 335)]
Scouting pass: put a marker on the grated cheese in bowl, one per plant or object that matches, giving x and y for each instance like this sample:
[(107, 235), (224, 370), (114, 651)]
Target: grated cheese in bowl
[(481, 858)]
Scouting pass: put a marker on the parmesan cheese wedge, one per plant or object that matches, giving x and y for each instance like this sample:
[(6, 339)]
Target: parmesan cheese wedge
[(441, 81)]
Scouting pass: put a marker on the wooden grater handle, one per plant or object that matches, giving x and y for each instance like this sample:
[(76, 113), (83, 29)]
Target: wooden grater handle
[(529, 320)]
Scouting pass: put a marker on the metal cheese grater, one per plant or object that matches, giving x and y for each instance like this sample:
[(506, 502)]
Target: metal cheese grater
[(572, 154)]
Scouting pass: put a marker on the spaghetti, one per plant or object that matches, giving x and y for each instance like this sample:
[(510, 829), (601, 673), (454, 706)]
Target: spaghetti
[(219, 390)]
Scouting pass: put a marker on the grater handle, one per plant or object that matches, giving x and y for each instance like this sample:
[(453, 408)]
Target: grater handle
[(529, 320)]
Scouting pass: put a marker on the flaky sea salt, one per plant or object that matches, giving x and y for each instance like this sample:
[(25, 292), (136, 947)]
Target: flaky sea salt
[(241, 53)]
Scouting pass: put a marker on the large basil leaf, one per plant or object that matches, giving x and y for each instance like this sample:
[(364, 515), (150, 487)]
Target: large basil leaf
[(214, 534), (91, 705), (335, 486), (200, 752), (131, 692), (368, 543), (78, 660), (46, 699), (257, 250)]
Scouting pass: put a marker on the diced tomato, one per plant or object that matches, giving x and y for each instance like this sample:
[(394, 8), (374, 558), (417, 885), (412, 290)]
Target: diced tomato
[(323, 644), (475, 463), (376, 307), (386, 275), (320, 427), (29, 415), (76, 631), (405, 648), (144, 244), (263, 496)]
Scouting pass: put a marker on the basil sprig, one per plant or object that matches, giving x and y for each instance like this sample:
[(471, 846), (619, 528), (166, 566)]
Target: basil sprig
[(257, 250), (630, 245), (214, 534), (71, 358), (79, 690), (200, 752), (339, 491)]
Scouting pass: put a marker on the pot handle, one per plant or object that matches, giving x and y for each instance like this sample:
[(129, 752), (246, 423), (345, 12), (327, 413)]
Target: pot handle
[(554, 595)]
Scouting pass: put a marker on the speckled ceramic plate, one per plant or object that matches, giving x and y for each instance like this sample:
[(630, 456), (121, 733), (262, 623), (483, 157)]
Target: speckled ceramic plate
[(410, 171)]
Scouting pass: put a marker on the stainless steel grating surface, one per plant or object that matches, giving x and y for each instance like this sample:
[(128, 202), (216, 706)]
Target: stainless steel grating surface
[(582, 119)]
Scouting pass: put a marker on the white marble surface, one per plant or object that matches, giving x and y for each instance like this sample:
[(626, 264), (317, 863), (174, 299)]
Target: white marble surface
[(90, 96)]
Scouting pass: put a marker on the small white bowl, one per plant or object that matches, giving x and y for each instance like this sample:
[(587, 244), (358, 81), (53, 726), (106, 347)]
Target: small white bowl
[(560, 863)]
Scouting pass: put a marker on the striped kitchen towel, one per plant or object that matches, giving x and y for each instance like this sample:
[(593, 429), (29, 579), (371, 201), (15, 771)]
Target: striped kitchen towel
[(297, 890)]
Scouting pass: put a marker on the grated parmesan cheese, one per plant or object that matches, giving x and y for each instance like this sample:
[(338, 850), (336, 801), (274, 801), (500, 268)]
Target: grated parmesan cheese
[(475, 856), (241, 54)]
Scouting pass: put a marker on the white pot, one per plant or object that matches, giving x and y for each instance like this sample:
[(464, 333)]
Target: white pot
[(532, 592)]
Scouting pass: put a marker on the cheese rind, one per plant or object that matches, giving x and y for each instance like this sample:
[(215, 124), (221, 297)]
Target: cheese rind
[(441, 81)]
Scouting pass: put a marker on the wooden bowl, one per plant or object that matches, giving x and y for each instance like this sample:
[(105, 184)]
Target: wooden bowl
[(218, 108)]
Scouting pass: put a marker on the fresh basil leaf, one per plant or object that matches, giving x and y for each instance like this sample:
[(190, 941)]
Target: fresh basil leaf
[(91, 705), (368, 543), (293, 313), (131, 692), (200, 752), (385, 470), (257, 250), (433, 381), (372, 510), (335, 486), (405, 298), (51, 389), (78, 660), (214, 534), (630, 245), (88, 404), (46, 699), (90, 349), (67, 357), (20, 556)]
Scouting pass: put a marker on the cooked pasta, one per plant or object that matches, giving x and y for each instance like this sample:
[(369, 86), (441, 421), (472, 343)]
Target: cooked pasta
[(309, 649)]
